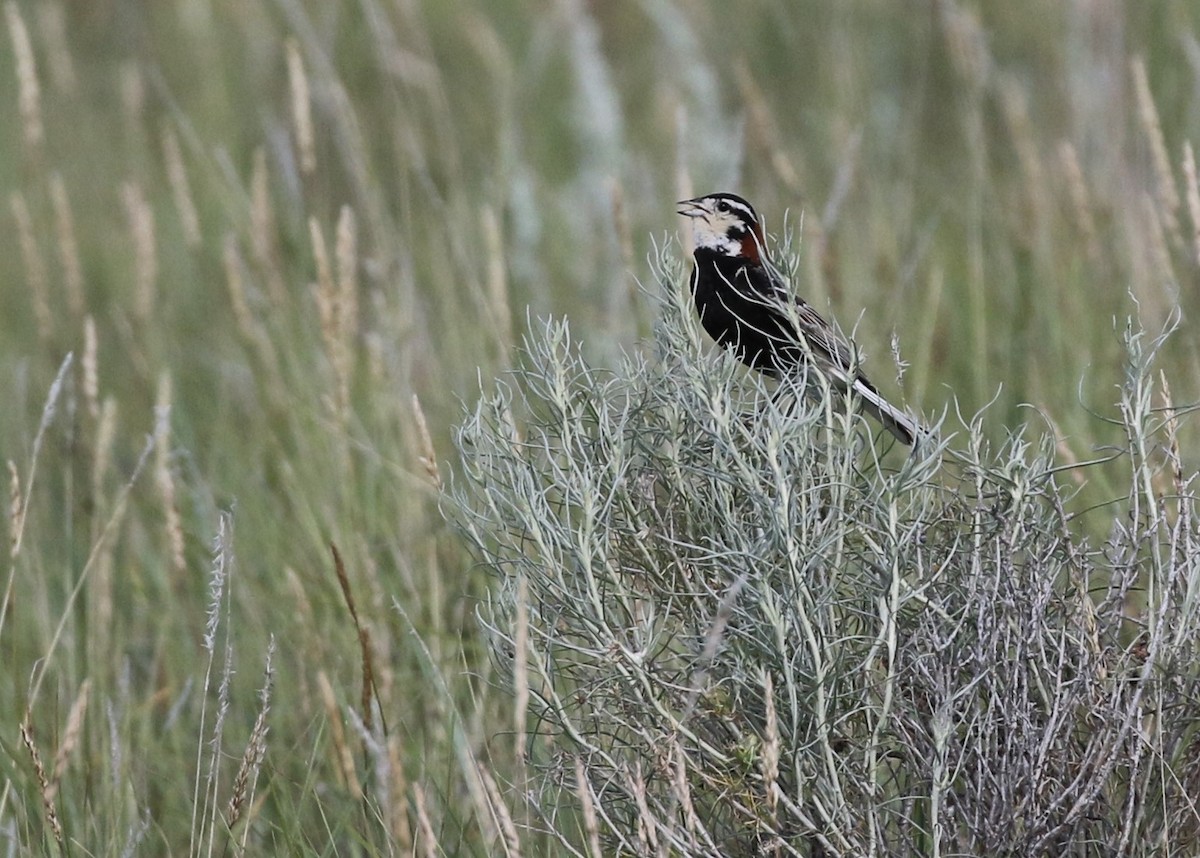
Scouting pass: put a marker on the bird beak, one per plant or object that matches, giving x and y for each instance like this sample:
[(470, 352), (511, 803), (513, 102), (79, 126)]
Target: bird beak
[(690, 208)]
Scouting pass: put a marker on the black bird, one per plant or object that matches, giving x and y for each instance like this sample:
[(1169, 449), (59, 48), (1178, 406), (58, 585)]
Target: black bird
[(743, 305)]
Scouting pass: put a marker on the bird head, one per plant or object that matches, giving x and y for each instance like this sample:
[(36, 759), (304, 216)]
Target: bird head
[(725, 224)]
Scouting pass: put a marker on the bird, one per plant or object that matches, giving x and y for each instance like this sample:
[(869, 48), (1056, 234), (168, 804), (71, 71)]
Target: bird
[(743, 304)]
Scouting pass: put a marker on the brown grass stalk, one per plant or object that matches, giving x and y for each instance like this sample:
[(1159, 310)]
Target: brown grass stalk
[(341, 749), (256, 748), (508, 829), (164, 477), (262, 229), (1167, 196), (181, 189), (764, 130), (591, 823), (364, 642), (520, 681), (70, 738), (1016, 114), (497, 280), (330, 295), (1081, 204), (1193, 196), (966, 41), (770, 749), (133, 94), (145, 250), (39, 769), (29, 97), (302, 124), (106, 433), (68, 246), (52, 26), (424, 827), (236, 286), (90, 367), (346, 306), (398, 824), (1161, 269), (35, 266), (647, 825), (683, 791), (427, 456), (16, 511)]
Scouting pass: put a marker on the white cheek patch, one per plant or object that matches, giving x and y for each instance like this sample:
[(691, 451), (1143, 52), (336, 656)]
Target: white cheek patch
[(718, 241)]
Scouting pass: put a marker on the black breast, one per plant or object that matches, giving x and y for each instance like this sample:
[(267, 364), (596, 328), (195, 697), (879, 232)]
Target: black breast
[(739, 307)]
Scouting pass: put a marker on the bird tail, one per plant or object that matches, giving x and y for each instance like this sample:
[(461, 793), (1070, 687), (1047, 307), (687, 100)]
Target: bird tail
[(903, 427)]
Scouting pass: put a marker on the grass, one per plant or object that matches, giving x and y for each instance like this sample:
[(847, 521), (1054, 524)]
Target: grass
[(262, 253)]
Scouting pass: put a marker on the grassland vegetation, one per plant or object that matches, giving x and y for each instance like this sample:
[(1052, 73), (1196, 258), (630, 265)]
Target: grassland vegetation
[(371, 490)]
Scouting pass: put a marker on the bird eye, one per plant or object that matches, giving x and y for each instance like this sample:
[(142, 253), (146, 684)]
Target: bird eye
[(722, 206)]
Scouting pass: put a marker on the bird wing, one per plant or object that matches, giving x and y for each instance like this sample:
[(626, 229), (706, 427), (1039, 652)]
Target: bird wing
[(762, 286), (827, 344)]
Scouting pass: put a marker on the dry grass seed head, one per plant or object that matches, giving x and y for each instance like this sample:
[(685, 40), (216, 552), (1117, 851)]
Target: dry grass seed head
[(71, 734), (683, 792), (89, 363), (165, 478), (424, 826), (256, 747), (16, 511), (427, 455), (647, 825), (262, 229), (1193, 196), (345, 303), (181, 190), (106, 433), (145, 252), (508, 828), (341, 749), (52, 24), (231, 260), (35, 266), (68, 246), (398, 823), (29, 98), (47, 793), (591, 825), (302, 124), (364, 642), (966, 40), (1167, 196), (497, 280)]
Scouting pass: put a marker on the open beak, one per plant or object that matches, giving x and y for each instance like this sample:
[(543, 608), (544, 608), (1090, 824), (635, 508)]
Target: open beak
[(691, 208)]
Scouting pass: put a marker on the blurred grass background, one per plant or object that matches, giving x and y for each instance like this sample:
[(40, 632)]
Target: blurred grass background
[(262, 228)]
